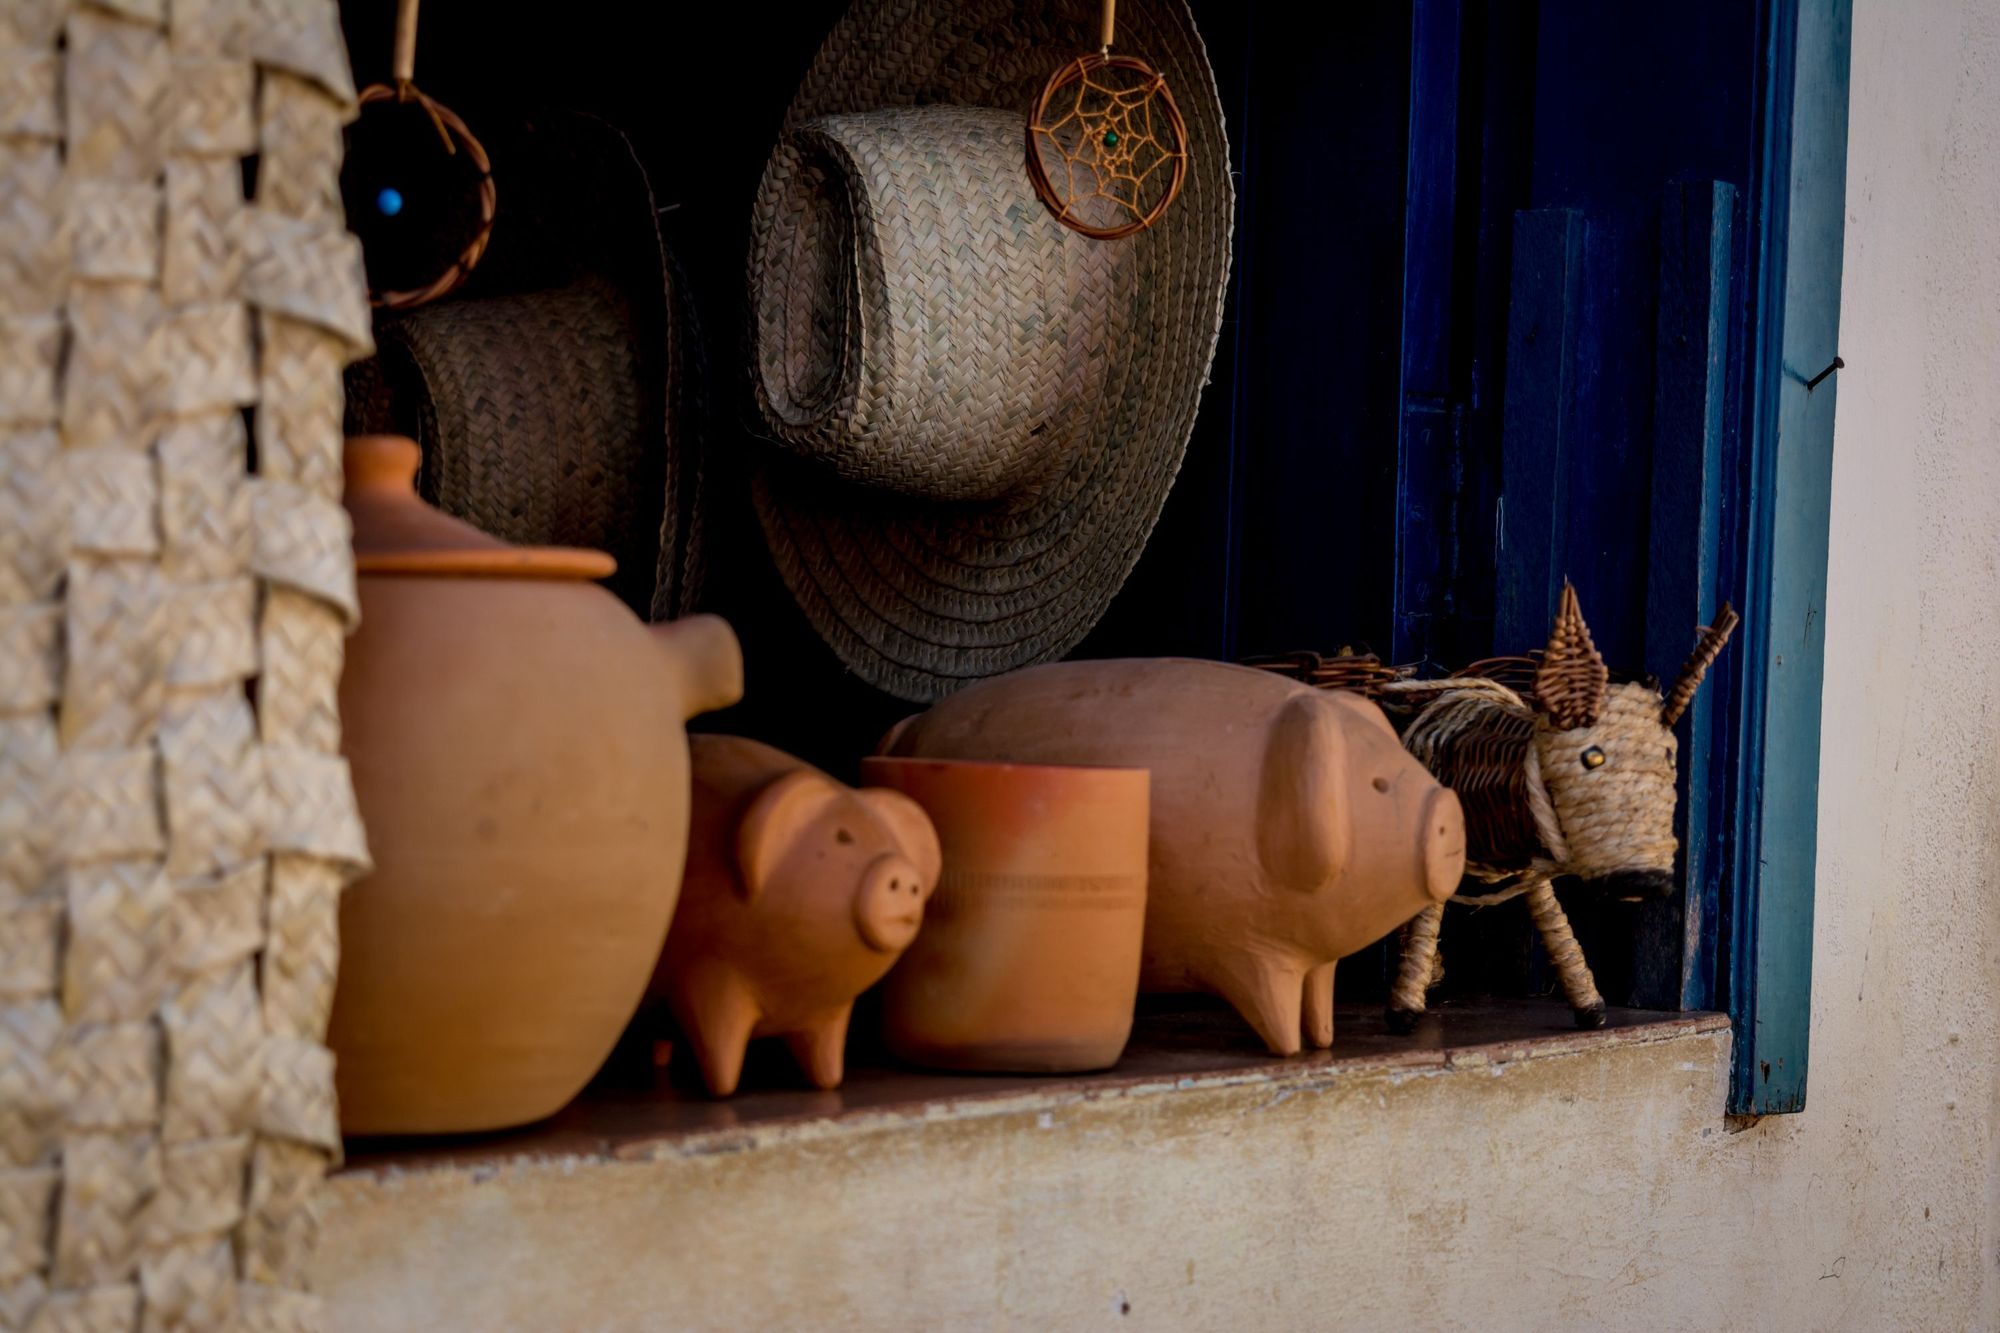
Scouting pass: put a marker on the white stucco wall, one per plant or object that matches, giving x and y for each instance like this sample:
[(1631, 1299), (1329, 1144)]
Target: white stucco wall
[(1890, 1176), (1880, 1206), (1607, 1195)]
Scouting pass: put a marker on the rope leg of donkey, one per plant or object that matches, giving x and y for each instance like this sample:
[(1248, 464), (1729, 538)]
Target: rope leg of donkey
[(1566, 954), (1413, 973)]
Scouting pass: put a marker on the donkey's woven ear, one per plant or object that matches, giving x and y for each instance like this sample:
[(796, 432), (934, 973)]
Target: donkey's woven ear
[(1570, 684), (1708, 646)]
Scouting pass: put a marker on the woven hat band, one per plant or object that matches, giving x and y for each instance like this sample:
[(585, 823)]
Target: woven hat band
[(923, 326)]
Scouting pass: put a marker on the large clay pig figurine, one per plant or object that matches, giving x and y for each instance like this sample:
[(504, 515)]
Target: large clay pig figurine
[(1289, 827), (800, 894)]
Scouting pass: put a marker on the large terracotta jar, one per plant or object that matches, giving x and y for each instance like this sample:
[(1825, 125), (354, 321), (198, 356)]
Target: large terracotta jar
[(1029, 956), (518, 750)]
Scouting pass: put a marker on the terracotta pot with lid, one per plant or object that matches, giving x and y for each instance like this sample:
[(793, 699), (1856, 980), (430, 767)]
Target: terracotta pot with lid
[(518, 748)]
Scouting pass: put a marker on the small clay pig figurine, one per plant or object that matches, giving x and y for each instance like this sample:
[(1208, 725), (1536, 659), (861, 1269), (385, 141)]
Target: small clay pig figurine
[(1289, 828), (800, 894)]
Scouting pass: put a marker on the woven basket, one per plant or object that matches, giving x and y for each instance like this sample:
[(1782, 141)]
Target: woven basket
[(171, 853)]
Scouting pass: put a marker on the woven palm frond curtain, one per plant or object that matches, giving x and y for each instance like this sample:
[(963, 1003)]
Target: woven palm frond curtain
[(176, 823)]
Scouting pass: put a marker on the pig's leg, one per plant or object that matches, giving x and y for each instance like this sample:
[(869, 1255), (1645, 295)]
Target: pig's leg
[(1319, 1007), (1269, 992), (1567, 955), (820, 1048), (1413, 973), (721, 1016)]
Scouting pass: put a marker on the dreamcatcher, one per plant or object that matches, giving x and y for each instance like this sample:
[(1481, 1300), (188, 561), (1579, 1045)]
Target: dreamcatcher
[(423, 216), (1107, 148)]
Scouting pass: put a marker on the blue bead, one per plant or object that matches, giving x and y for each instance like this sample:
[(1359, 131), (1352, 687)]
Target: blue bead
[(390, 201)]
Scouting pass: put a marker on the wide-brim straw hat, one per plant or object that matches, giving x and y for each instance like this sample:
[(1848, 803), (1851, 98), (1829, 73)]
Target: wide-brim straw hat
[(975, 413)]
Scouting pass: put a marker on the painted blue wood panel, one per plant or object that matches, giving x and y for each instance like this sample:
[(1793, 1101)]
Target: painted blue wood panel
[(1427, 437), (1684, 548), (1537, 442), (1776, 790), (1531, 524), (1628, 98), (1497, 154)]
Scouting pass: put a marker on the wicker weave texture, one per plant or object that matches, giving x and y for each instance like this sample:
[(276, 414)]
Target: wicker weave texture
[(1476, 746), (1572, 678), (171, 854)]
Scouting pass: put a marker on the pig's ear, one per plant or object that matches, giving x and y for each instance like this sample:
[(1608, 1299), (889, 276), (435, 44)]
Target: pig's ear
[(1304, 813), (915, 836), (893, 737), (777, 817)]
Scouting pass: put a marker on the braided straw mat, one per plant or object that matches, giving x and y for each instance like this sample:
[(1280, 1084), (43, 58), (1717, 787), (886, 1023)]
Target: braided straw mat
[(171, 854), (980, 411)]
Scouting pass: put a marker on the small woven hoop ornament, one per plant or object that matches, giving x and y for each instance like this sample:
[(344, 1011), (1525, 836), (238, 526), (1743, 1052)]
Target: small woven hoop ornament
[(1114, 133), (455, 134)]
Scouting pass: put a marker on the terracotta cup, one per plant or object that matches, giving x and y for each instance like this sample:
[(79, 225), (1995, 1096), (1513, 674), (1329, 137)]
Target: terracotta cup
[(1029, 956)]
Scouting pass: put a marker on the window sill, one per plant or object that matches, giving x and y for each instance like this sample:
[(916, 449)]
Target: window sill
[(1194, 1046), (1199, 1180)]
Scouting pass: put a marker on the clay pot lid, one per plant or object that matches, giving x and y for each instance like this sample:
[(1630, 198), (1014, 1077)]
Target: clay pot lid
[(395, 532)]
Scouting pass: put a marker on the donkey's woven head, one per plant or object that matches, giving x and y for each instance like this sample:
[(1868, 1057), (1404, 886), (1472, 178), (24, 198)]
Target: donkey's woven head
[(1607, 757)]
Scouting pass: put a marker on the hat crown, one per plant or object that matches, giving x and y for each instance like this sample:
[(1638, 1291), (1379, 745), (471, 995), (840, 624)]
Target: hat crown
[(961, 355)]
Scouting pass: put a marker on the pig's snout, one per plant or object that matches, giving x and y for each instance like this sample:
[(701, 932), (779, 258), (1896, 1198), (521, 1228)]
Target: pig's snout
[(1441, 843), (890, 904)]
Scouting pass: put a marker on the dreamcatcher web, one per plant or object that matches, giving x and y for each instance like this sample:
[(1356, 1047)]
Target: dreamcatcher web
[(1113, 153)]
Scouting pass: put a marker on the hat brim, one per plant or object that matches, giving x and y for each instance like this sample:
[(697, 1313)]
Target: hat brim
[(919, 598)]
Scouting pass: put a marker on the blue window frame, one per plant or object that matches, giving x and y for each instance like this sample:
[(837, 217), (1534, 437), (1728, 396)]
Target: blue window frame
[(1772, 792)]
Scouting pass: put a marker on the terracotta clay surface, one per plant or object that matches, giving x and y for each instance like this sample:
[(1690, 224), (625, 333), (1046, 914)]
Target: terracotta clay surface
[(517, 744), (1288, 826), (1029, 958), (800, 893)]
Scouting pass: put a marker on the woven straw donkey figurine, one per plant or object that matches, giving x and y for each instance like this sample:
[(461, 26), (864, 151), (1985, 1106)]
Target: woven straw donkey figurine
[(1576, 780)]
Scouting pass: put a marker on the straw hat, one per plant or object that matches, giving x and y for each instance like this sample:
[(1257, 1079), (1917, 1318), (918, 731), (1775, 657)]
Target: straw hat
[(557, 398), (976, 413)]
